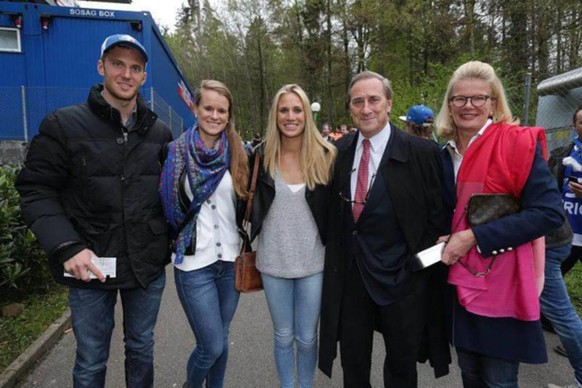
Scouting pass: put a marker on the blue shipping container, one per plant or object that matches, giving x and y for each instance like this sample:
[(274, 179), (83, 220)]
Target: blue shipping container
[(48, 59)]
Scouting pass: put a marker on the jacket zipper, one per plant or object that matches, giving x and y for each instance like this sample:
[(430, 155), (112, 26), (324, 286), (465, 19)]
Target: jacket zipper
[(124, 249)]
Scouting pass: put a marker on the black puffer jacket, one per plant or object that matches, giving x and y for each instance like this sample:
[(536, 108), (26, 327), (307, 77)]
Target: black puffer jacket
[(88, 183)]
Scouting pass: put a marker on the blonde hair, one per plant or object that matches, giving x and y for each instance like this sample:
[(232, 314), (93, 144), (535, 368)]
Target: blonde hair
[(474, 70), (317, 155), (239, 163)]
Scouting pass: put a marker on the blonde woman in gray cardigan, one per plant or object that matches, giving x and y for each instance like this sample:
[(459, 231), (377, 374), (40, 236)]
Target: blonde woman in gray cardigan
[(290, 210)]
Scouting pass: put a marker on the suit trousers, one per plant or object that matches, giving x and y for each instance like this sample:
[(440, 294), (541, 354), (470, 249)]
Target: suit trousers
[(400, 323)]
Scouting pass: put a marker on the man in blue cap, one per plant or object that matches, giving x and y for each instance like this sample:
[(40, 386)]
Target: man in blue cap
[(89, 194), (419, 122)]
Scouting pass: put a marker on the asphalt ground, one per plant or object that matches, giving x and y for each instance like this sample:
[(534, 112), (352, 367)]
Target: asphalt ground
[(251, 363)]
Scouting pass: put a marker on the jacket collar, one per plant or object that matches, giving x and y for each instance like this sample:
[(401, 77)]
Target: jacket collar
[(145, 117), (346, 147), (397, 148), (263, 175)]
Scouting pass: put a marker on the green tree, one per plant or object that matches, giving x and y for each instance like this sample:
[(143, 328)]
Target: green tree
[(256, 46)]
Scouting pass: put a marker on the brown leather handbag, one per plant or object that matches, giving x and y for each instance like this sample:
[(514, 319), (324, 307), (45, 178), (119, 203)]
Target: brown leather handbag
[(247, 276)]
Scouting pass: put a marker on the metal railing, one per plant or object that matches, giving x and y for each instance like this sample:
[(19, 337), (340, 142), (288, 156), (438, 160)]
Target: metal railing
[(558, 99), (166, 113), (22, 109)]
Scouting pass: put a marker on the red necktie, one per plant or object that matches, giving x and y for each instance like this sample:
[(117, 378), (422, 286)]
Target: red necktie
[(362, 184)]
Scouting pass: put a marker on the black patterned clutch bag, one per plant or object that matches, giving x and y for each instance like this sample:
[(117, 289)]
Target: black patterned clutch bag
[(483, 208)]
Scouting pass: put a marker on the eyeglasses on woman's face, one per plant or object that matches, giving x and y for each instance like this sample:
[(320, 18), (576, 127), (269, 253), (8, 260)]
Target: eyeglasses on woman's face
[(476, 101)]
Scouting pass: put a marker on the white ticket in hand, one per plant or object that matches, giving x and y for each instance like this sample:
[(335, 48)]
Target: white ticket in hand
[(107, 266), (431, 255)]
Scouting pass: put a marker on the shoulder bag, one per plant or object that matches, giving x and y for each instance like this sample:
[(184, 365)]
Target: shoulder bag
[(247, 276)]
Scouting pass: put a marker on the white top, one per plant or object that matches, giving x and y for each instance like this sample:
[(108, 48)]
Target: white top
[(454, 151), (295, 187), (216, 231), (378, 144)]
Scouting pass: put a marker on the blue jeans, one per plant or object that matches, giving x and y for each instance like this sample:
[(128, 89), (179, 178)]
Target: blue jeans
[(209, 301), (294, 305), (558, 309), (479, 371), (92, 316)]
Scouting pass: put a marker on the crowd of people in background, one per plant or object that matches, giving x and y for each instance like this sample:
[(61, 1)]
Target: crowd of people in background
[(340, 217)]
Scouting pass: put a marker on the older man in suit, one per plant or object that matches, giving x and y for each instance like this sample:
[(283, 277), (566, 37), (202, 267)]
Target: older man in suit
[(386, 206)]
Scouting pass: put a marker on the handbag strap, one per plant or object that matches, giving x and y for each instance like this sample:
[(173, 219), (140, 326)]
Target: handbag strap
[(252, 189), (481, 274), (249, 209), (187, 219)]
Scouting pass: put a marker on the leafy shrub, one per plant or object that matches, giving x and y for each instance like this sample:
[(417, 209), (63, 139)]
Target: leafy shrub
[(23, 265)]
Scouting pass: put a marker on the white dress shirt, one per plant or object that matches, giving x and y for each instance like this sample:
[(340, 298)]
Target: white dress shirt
[(456, 156), (378, 144)]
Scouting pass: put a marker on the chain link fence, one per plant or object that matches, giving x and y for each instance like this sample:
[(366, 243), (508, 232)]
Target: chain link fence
[(22, 109), (165, 113), (558, 98)]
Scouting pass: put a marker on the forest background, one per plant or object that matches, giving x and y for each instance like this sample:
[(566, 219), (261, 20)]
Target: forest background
[(257, 46)]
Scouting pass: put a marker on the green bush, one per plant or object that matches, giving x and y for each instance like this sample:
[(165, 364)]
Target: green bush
[(23, 265), (574, 283)]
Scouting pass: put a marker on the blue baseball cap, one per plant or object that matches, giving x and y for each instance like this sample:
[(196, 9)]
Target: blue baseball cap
[(419, 115), (123, 39)]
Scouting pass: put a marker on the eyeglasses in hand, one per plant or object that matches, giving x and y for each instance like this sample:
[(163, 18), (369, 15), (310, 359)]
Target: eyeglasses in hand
[(349, 200)]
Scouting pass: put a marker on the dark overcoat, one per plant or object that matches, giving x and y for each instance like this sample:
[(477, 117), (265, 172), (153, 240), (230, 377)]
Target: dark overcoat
[(412, 170)]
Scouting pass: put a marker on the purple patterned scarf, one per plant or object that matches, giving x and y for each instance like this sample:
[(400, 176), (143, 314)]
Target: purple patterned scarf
[(204, 169)]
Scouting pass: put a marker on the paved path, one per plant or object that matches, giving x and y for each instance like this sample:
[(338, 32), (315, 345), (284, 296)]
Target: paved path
[(251, 362)]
